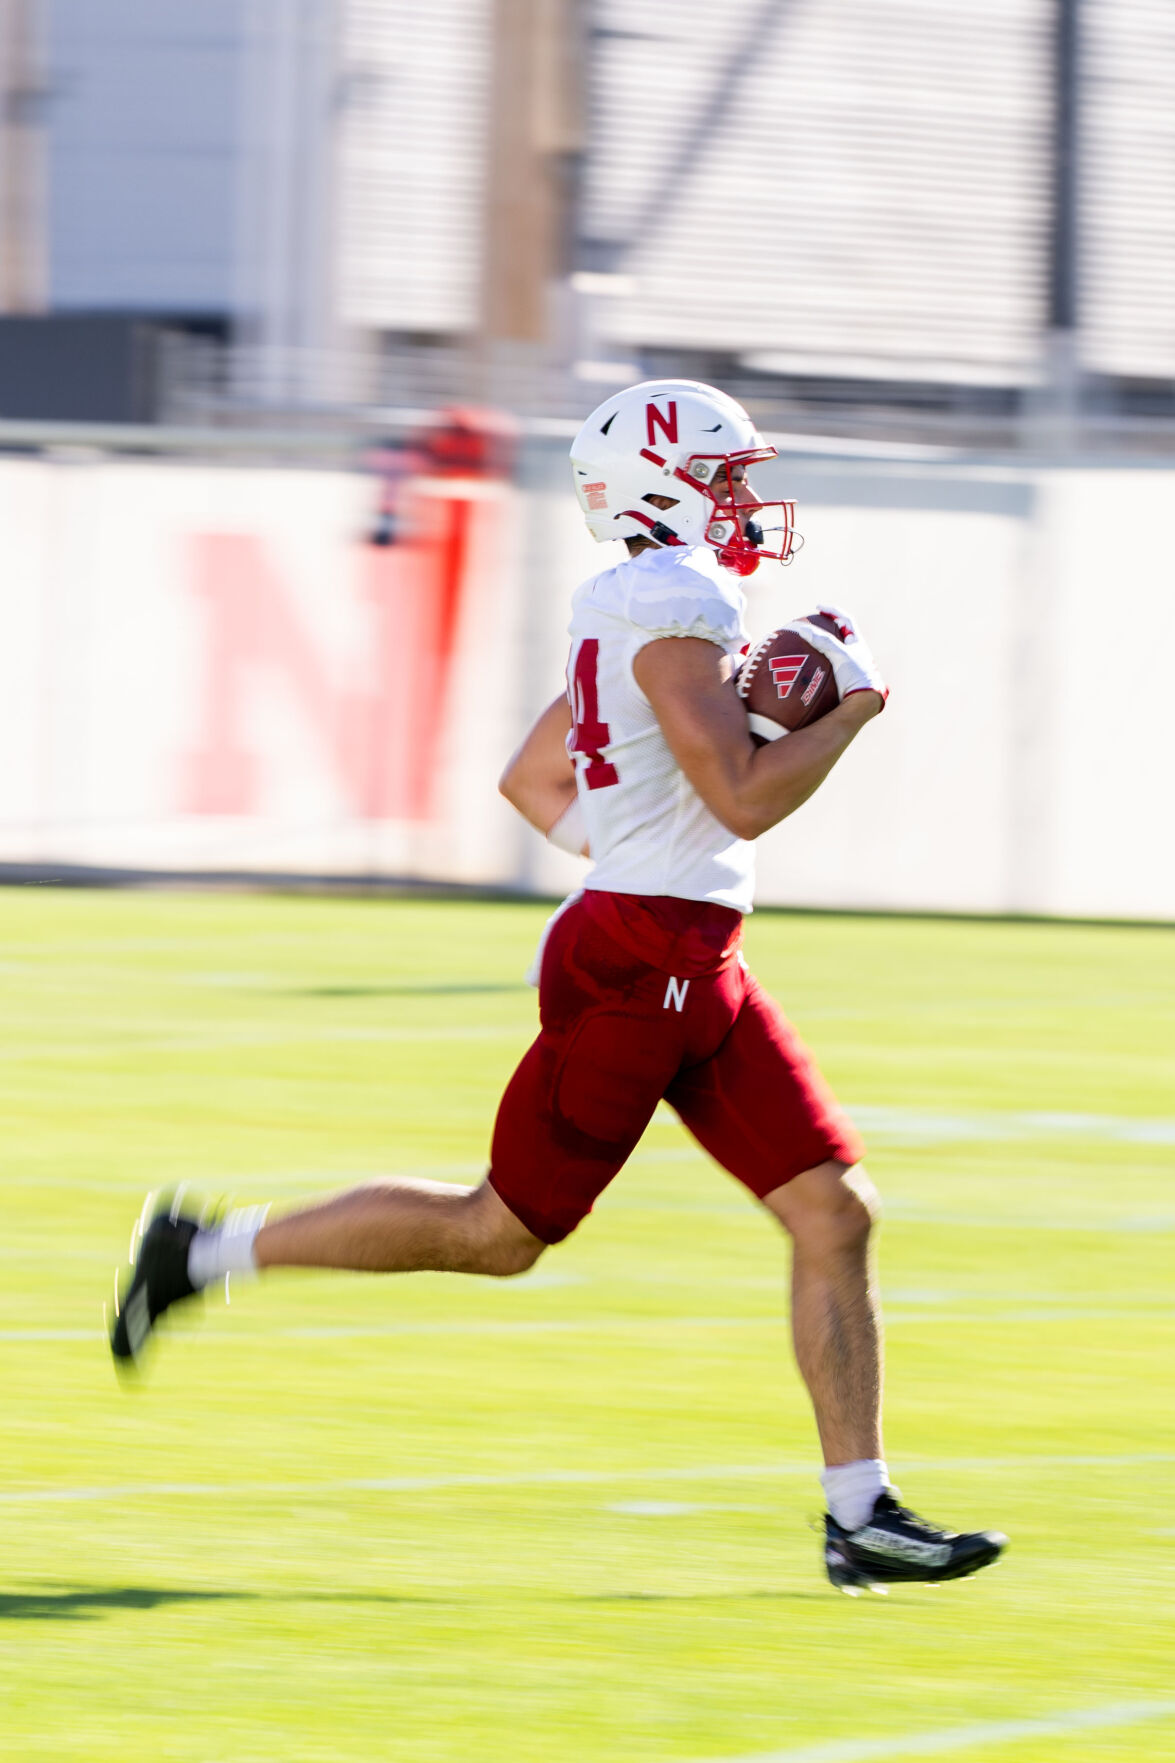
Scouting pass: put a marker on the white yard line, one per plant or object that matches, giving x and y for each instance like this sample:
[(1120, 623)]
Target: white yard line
[(678, 1508), (1050, 1311), (416, 1484), (1132, 1224), (925, 1126), (926, 1314), (22, 1336), (984, 1734)]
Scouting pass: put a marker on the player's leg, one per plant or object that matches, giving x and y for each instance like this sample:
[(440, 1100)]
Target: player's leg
[(869, 1539), (401, 1226), (570, 1116), (761, 1109), (830, 1213), (398, 1225)]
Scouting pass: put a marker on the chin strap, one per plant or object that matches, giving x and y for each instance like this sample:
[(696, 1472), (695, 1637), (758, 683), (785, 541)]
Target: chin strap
[(658, 531)]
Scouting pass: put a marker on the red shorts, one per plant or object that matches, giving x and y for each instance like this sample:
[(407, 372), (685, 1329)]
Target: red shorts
[(642, 998)]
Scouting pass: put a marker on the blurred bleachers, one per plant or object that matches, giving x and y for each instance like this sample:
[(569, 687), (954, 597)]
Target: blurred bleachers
[(848, 189), (1128, 168), (838, 208), (843, 209)]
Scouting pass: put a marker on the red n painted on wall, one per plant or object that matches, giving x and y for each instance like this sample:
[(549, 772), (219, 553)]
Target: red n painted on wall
[(379, 732)]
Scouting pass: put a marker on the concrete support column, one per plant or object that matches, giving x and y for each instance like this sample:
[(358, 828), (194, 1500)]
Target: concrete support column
[(23, 261)]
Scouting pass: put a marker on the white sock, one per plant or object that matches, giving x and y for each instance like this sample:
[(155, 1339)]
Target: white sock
[(851, 1490), (228, 1248)]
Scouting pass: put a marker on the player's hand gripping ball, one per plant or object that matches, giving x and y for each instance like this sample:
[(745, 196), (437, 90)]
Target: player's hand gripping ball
[(799, 673)]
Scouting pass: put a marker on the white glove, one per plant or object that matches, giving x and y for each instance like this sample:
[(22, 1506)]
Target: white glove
[(853, 666)]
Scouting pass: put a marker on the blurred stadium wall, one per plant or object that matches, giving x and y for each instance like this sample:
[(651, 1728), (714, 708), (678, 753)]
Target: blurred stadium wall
[(253, 622), (212, 668)]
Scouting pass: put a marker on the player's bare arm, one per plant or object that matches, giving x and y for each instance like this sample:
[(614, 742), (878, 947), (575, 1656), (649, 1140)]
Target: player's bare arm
[(749, 789), (539, 779)]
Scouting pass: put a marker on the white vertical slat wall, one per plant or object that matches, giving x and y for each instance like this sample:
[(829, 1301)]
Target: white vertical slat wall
[(412, 162), (1128, 185), (840, 187), (850, 186)]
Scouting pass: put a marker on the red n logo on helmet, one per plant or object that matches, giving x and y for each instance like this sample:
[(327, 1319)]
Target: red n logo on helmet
[(667, 424)]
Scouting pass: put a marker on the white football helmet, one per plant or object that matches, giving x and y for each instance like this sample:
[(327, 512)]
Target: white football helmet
[(671, 438)]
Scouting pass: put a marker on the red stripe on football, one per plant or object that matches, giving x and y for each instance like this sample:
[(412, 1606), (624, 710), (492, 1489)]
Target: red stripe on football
[(787, 681)]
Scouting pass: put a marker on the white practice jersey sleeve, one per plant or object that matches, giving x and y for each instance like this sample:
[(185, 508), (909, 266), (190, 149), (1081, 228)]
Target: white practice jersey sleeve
[(648, 829)]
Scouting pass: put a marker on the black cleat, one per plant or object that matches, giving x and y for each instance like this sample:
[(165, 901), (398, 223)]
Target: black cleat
[(157, 1279), (896, 1547)]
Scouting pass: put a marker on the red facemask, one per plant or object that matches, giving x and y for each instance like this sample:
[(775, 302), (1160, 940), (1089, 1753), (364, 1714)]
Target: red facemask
[(733, 527)]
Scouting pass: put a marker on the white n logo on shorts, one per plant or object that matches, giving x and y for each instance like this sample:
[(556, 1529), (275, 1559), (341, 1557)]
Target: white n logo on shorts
[(676, 991)]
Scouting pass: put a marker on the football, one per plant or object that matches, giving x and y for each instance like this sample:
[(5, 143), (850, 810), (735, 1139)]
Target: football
[(785, 683)]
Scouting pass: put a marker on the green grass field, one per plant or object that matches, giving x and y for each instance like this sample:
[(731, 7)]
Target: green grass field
[(565, 1519)]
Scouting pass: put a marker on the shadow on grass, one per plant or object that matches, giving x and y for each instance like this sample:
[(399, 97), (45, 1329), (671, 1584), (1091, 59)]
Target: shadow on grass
[(82, 1603)]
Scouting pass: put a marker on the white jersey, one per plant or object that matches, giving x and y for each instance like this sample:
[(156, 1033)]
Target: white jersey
[(648, 829)]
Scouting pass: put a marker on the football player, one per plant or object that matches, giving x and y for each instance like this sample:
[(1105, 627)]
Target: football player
[(646, 764)]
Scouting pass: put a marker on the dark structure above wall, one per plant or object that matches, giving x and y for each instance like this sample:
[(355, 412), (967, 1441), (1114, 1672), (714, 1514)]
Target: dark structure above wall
[(85, 367)]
